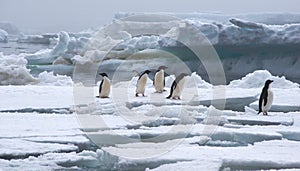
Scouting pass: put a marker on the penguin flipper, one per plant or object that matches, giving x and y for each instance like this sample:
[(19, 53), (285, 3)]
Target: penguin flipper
[(260, 102), (174, 84), (100, 87)]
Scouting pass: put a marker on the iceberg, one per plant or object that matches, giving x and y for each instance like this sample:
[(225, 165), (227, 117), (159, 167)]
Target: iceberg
[(9, 27), (266, 18), (13, 70), (39, 39), (3, 36)]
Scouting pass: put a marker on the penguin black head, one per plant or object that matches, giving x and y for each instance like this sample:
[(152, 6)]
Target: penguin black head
[(147, 71), (103, 74), (268, 82), (162, 67)]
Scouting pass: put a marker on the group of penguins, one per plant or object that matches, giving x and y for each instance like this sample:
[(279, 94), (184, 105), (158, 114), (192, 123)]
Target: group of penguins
[(265, 100)]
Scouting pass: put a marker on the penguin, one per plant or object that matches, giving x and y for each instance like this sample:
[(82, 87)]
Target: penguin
[(104, 88), (177, 86), (159, 79), (266, 98), (141, 83)]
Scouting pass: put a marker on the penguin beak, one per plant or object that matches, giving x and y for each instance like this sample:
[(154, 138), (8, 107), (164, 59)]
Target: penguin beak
[(272, 81)]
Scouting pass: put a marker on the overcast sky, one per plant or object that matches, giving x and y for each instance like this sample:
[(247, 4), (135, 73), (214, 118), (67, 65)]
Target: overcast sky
[(76, 15)]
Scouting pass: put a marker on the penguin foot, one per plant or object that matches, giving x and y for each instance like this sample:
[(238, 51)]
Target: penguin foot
[(265, 113), (136, 95), (176, 98)]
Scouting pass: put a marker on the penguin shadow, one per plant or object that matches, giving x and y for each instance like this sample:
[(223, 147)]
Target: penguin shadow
[(102, 97), (159, 92)]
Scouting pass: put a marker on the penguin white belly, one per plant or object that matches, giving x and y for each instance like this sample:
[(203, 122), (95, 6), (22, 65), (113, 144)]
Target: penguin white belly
[(105, 90), (267, 107), (159, 81), (178, 90), (141, 84)]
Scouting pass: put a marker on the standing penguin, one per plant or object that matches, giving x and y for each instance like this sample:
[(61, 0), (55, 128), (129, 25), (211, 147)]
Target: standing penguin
[(104, 88), (141, 83), (177, 86), (159, 79), (266, 98)]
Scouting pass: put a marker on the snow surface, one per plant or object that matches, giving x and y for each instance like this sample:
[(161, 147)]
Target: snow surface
[(168, 136)]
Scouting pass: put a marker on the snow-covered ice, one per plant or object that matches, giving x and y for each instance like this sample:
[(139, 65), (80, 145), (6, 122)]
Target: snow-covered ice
[(171, 135)]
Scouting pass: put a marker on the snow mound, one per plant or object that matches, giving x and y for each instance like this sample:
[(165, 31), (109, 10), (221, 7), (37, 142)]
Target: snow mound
[(257, 80), (169, 80), (193, 81), (196, 79), (13, 70), (3, 36), (48, 78)]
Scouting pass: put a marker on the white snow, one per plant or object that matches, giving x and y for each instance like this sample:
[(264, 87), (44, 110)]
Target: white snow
[(20, 97)]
